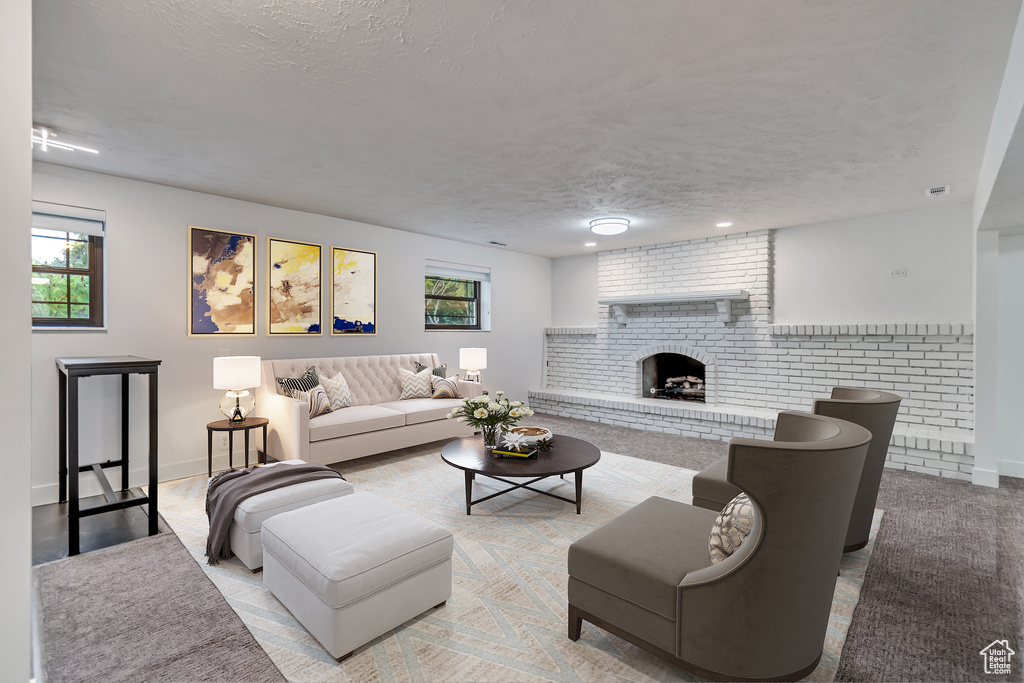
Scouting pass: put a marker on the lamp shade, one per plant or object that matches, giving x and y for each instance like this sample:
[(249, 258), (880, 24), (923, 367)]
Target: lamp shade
[(236, 372), (473, 358)]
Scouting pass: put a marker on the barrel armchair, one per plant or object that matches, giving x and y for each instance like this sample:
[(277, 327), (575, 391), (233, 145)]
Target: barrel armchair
[(761, 613), (873, 410)]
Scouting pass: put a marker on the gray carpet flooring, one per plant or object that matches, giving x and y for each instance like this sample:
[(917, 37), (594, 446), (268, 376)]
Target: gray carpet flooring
[(945, 580), (142, 611)]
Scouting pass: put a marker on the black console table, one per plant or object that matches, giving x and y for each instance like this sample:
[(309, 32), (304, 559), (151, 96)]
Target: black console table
[(69, 370)]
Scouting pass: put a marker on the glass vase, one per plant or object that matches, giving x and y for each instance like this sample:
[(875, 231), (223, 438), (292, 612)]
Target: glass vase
[(490, 433)]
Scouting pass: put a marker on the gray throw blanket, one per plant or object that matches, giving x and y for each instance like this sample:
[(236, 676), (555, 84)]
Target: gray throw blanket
[(228, 489)]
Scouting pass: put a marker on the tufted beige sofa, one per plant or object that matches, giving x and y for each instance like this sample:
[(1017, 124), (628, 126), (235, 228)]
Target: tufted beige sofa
[(377, 420)]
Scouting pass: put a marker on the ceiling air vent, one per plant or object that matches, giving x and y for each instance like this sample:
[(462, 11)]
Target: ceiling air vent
[(940, 191)]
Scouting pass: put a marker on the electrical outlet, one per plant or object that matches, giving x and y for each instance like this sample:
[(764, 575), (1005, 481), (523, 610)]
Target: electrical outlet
[(898, 272), (223, 441)]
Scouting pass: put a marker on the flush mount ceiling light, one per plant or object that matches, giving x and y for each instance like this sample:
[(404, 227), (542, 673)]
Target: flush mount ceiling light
[(609, 226), (723, 225), (45, 139), (590, 244)]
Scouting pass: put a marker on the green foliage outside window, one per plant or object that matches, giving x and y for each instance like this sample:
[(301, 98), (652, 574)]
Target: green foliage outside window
[(66, 279), (452, 303)]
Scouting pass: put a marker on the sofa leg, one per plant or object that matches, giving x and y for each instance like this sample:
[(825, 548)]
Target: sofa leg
[(440, 604), (575, 623)]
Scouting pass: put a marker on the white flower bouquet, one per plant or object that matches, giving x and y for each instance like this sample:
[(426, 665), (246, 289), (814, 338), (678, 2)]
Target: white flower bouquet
[(491, 416)]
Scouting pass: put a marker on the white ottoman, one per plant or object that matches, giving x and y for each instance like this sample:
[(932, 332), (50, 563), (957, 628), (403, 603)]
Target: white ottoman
[(353, 568), (252, 512)]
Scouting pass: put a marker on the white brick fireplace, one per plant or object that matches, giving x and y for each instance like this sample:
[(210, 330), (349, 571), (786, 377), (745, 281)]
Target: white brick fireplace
[(754, 368)]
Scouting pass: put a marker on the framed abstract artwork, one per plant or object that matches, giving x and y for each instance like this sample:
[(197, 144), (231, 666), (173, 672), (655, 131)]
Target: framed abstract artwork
[(353, 291), (294, 275), (222, 297)]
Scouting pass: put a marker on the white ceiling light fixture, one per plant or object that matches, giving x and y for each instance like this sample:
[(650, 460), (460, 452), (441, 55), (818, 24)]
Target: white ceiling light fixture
[(45, 139), (609, 226), (590, 244), (723, 225)]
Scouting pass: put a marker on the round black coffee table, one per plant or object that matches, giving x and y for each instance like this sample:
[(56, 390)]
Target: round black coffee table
[(567, 454)]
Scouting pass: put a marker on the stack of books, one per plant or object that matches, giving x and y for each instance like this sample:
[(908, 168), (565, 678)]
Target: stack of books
[(502, 453)]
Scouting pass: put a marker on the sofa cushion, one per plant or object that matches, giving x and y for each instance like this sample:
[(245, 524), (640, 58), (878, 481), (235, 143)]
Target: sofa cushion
[(439, 371), (371, 379), (289, 385), (414, 384), (354, 420), (337, 391), (445, 387), (316, 399), (731, 528), (419, 410)]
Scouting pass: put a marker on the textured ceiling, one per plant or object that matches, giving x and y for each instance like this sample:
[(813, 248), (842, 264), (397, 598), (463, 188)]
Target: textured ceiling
[(521, 120)]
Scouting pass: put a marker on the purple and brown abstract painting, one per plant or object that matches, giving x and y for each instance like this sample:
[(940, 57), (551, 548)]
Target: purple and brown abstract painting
[(223, 294)]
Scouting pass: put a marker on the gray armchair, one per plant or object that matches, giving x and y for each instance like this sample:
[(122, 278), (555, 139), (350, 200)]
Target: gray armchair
[(760, 614), (873, 410)]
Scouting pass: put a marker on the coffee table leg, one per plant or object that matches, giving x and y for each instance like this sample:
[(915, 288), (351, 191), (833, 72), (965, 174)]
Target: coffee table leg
[(579, 490), (469, 490)]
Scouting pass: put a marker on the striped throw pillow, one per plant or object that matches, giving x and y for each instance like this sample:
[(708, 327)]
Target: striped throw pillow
[(317, 400), (337, 391), (289, 385), (439, 371), (446, 387), (414, 384)]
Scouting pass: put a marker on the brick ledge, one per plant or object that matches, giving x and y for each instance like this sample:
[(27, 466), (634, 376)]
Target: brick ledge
[(860, 329), (935, 439)]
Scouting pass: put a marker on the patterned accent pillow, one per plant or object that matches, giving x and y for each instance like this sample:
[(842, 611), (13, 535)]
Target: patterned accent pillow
[(439, 371), (289, 385), (317, 400), (414, 384), (337, 391), (446, 387), (731, 528)]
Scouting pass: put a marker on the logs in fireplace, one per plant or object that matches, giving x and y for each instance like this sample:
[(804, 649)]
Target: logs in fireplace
[(674, 377)]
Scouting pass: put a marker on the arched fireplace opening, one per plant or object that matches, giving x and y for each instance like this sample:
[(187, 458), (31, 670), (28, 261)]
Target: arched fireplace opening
[(674, 377)]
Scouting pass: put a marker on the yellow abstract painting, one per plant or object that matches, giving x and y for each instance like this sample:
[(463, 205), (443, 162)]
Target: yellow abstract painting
[(294, 274)]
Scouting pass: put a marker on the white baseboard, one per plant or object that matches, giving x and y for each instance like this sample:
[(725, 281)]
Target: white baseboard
[(985, 477), (138, 475), (1008, 468)]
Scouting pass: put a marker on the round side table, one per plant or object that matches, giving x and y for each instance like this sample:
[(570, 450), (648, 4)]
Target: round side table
[(232, 427)]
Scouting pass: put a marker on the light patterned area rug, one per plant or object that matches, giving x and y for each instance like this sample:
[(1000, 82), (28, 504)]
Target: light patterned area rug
[(506, 619)]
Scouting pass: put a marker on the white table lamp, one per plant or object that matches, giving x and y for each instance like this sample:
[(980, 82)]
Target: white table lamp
[(236, 374), (473, 360)]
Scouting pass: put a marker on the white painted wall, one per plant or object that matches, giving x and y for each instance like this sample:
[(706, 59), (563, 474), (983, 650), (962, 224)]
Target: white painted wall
[(574, 291), (1005, 118), (147, 297), (15, 337), (1010, 389), (839, 272)]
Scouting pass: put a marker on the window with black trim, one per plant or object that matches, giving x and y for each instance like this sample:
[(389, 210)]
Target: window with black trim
[(452, 303), (67, 267)]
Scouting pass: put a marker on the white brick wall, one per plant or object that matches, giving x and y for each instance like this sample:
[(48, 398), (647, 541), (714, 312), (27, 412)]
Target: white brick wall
[(764, 366)]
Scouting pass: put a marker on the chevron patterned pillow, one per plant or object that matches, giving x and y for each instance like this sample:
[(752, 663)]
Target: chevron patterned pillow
[(414, 384), (337, 391), (317, 400), (446, 387)]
